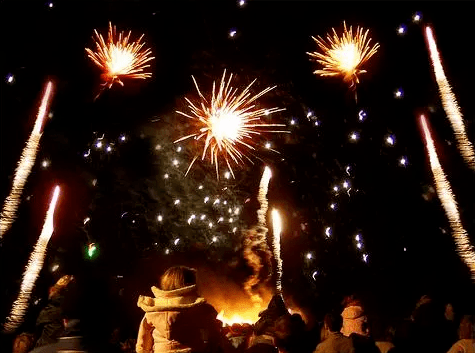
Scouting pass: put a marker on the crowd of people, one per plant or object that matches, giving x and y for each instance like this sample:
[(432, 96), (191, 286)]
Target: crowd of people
[(178, 320)]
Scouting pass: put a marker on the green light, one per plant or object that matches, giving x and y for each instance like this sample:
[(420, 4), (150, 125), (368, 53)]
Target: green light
[(92, 250)]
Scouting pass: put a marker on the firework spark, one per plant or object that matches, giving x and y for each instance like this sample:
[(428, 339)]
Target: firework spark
[(32, 270), (256, 251), (227, 124), (344, 55), (444, 191), (277, 230), (25, 164), (119, 57), (449, 102)]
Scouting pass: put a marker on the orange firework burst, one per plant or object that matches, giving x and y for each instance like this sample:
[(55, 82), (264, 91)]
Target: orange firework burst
[(118, 58), (344, 56), (227, 124)]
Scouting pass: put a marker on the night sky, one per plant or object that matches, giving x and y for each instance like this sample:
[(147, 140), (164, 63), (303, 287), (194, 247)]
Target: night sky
[(393, 207)]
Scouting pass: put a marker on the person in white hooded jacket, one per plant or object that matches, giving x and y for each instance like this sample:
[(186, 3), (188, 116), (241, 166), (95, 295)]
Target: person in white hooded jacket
[(178, 320)]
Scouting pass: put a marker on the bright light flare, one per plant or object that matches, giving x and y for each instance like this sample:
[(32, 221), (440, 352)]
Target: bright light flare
[(119, 57), (25, 164), (226, 124), (344, 55), (33, 268), (446, 196), (277, 230), (449, 102)]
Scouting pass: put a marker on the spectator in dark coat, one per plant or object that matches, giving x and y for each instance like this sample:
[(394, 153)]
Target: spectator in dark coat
[(49, 323)]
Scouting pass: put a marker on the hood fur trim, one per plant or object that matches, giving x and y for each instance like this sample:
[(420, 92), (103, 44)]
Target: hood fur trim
[(158, 293), (173, 300)]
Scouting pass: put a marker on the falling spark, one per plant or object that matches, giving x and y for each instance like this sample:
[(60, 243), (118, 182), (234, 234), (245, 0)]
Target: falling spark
[(277, 230), (444, 191), (35, 264), (449, 102), (344, 55), (119, 57), (256, 251), (227, 123), (25, 164)]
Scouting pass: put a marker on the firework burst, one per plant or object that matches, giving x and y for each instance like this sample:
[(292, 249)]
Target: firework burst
[(32, 270), (119, 57), (227, 123), (344, 55), (447, 199)]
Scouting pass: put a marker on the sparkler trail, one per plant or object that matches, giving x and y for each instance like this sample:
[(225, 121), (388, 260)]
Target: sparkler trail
[(449, 102), (277, 230), (255, 243), (25, 164), (35, 264), (444, 191), (344, 55), (227, 124), (119, 57)]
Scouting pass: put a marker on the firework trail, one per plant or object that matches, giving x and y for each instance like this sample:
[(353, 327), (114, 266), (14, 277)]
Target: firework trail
[(277, 230), (256, 250), (444, 191), (449, 102), (344, 55), (227, 123), (25, 164), (32, 270), (119, 57)]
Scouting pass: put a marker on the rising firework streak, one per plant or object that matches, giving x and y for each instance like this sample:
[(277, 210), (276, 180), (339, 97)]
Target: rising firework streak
[(256, 251), (449, 102), (32, 270), (277, 230), (25, 164), (444, 191)]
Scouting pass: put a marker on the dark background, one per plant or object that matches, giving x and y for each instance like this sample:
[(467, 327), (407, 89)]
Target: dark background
[(406, 234)]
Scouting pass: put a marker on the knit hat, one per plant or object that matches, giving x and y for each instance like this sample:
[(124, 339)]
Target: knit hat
[(352, 312), (353, 321)]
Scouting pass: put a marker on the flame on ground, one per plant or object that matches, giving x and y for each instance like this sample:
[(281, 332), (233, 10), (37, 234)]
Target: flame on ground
[(248, 316)]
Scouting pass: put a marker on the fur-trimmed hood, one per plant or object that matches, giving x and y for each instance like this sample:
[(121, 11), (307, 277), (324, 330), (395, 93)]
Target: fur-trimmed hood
[(171, 300)]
